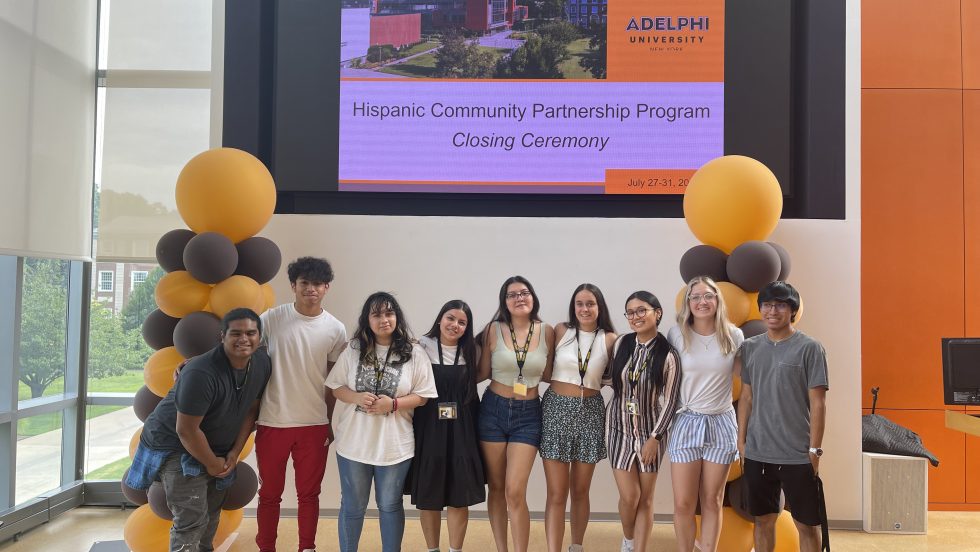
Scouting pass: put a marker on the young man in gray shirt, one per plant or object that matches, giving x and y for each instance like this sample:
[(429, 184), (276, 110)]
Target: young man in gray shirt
[(781, 415)]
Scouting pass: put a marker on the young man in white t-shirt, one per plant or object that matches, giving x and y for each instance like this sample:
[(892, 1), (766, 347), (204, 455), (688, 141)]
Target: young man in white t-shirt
[(294, 418)]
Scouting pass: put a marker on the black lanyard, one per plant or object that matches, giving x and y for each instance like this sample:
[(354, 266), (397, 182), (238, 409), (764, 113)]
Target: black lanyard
[(633, 373), (379, 371), (583, 367), (439, 348), (520, 354)]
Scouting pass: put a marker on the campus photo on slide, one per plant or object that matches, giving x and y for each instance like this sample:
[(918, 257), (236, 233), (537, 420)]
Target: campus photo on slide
[(530, 96)]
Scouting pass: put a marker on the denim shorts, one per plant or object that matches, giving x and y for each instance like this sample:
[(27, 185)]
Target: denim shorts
[(505, 420)]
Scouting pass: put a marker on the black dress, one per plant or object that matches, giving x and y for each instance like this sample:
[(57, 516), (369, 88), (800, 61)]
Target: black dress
[(447, 469)]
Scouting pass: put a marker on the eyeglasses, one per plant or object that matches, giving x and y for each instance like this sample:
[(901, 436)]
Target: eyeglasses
[(707, 297), (638, 313), (523, 294), (767, 306)]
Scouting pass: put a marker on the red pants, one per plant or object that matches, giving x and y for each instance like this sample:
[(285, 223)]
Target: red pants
[(273, 445)]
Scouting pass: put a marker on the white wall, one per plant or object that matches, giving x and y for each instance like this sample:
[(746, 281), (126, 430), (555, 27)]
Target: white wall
[(428, 260)]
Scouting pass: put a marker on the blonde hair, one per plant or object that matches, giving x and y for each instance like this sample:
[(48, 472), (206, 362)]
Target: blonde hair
[(723, 328)]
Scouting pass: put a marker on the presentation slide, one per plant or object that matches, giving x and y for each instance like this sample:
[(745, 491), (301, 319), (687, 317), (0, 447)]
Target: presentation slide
[(530, 96)]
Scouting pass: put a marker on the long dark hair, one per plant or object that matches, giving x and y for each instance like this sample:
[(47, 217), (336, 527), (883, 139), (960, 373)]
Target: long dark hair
[(502, 314), (604, 321), (466, 344), (401, 338), (659, 349)]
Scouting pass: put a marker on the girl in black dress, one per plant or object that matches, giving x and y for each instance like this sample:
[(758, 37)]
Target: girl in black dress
[(447, 471)]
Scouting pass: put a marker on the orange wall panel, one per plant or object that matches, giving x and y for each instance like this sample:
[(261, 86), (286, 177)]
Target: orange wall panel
[(947, 482), (911, 241), (910, 44), (971, 43), (971, 201), (973, 468)]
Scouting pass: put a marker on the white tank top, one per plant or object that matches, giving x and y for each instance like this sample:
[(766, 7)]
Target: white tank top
[(565, 367)]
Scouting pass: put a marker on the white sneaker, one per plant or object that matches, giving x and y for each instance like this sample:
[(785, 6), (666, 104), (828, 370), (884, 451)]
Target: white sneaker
[(575, 548), (627, 545)]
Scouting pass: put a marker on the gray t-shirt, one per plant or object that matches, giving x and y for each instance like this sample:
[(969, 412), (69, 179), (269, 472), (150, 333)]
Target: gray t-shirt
[(781, 375)]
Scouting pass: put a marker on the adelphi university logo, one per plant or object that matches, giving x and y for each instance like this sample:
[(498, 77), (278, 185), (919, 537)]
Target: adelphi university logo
[(667, 30)]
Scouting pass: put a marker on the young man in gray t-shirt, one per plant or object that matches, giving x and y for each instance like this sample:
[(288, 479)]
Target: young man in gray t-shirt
[(781, 414)]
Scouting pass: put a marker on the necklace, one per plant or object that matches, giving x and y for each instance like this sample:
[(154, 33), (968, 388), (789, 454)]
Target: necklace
[(705, 340)]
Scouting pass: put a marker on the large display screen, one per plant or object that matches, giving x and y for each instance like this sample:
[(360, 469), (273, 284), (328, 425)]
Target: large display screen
[(560, 97)]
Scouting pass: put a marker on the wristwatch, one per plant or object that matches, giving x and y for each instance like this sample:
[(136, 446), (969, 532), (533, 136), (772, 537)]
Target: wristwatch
[(816, 451)]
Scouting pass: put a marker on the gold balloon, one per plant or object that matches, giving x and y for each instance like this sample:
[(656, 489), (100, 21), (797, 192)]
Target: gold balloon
[(229, 521), (679, 300), (179, 294), (736, 533), (754, 313), (235, 292), (270, 296), (158, 372), (787, 537), (228, 191), (147, 532), (735, 470), (247, 449), (732, 199), (736, 301), (134, 442)]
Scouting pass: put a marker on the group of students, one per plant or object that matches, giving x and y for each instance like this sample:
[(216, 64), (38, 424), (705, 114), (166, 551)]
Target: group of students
[(407, 416)]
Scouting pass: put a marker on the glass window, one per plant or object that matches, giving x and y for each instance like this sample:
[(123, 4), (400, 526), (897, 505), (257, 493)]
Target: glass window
[(109, 430), (173, 35), (38, 455), (137, 277), (43, 328), (150, 134), (106, 278)]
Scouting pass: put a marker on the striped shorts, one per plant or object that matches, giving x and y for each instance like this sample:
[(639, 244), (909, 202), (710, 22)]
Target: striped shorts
[(711, 437)]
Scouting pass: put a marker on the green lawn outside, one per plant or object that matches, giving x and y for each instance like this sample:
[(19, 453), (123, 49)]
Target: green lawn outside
[(570, 67), (130, 382), (113, 471), (421, 66), (418, 48)]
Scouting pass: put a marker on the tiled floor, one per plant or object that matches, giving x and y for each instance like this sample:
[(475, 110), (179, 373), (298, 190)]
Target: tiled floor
[(77, 530)]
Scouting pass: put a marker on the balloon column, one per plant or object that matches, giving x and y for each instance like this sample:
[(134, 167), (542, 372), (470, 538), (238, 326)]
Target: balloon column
[(225, 196), (731, 205)]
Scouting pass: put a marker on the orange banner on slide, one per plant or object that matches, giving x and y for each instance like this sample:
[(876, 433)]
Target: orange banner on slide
[(647, 181), (666, 40)]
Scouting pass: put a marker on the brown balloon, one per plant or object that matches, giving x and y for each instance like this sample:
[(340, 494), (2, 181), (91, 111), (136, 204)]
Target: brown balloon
[(144, 402), (197, 333), (136, 496), (753, 328), (158, 329), (752, 265), (170, 249), (785, 264), (157, 499), (258, 258), (242, 491), (210, 257), (704, 260)]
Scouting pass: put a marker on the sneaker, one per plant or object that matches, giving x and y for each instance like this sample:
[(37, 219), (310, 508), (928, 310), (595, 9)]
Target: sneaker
[(575, 548), (627, 545)]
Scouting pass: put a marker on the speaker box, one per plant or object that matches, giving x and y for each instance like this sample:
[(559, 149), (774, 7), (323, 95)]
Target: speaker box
[(896, 494)]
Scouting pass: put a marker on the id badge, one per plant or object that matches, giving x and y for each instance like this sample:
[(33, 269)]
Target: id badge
[(520, 387), (632, 407), (447, 410)]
